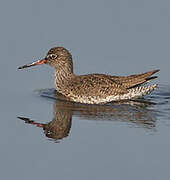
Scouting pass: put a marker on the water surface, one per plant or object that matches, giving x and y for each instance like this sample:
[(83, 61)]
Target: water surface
[(143, 113), (84, 139), (54, 139)]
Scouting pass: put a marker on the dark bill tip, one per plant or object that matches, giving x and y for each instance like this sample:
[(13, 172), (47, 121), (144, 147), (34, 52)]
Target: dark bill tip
[(22, 67)]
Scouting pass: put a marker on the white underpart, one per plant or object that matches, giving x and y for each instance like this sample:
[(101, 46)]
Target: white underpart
[(133, 93)]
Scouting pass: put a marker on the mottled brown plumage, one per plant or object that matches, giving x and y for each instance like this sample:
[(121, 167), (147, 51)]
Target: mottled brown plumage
[(93, 88)]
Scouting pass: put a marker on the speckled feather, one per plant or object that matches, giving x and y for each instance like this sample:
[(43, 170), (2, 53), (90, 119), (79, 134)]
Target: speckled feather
[(93, 88)]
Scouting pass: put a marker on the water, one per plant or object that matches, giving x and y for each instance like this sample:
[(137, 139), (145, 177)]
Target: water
[(142, 113), (84, 141), (44, 137)]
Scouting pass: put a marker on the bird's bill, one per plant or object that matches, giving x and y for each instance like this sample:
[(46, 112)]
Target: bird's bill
[(42, 61)]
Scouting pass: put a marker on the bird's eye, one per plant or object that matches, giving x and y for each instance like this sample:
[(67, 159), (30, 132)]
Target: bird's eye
[(53, 56)]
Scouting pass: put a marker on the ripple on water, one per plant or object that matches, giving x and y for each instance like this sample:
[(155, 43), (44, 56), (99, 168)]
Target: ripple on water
[(144, 113), (158, 103)]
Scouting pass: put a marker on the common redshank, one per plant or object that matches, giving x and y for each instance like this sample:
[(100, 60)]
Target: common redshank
[(93, 88)]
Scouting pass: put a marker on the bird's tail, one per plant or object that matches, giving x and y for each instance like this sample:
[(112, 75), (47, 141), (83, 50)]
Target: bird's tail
[(136, 80), (142, 91), (139, 92)]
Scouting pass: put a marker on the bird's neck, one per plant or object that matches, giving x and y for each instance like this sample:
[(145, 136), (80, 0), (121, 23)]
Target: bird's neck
[(62, 77)]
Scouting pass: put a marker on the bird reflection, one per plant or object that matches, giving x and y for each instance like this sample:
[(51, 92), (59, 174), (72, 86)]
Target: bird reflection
[(135, 113)]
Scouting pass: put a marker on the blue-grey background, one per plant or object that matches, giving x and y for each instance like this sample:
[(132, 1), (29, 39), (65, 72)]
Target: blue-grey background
[(117, 37)]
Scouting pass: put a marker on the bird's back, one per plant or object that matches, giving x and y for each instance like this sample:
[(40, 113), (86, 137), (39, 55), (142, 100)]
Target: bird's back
[(100, 88)]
